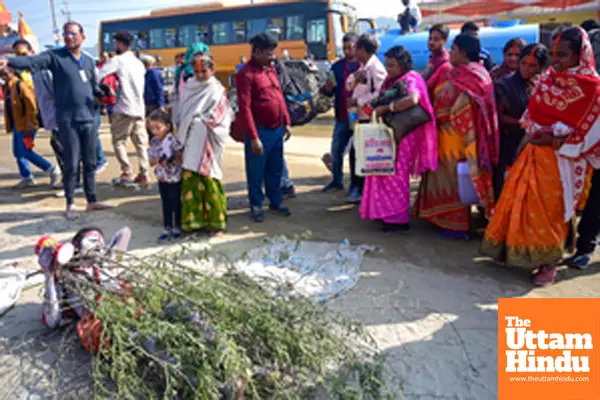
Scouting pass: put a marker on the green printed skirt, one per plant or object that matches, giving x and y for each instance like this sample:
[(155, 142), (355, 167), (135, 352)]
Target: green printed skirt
[(204, 204)]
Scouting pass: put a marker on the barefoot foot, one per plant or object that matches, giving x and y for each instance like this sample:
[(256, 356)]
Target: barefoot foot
[(71, 213)]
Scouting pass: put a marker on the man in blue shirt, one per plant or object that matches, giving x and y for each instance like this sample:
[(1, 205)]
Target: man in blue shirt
[(470, 28), (75, 90), (154, 88), (336, 85)]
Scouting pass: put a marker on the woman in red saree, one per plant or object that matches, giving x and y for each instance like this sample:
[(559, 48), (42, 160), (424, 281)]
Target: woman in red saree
[(467, 127), (530, 225)]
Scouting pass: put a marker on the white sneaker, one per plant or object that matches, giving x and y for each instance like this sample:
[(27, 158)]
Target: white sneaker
[(55, 178), (25, 183), (101, 167), (77, 191)]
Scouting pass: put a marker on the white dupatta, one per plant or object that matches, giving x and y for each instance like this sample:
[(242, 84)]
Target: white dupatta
[(203, 118)]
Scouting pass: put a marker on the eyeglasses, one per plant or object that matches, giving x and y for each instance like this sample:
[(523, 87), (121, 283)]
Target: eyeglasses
[(72, 34)]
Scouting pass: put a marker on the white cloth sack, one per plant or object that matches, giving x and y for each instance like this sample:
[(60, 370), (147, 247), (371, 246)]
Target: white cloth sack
[(12, 281), (317, 270)]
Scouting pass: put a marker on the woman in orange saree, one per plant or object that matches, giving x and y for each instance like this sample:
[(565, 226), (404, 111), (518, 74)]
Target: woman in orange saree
[(530, 224), (467, 127)]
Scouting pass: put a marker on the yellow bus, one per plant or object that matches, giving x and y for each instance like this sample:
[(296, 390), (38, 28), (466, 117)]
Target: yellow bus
[(310, 27)]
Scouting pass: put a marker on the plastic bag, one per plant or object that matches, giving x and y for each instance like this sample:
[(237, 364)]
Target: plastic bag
[(12, 281), (466, 189)]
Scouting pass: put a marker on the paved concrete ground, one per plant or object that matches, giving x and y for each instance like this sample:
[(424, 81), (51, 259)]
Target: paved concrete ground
[(431, 304)]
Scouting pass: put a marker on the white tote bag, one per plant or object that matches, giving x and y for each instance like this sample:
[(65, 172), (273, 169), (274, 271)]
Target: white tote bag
[(375, 149)]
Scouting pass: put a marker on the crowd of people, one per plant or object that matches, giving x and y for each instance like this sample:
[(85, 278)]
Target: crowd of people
[(526, 133)]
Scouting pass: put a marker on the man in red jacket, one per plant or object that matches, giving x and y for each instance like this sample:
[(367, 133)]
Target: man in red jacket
[(264, 119)]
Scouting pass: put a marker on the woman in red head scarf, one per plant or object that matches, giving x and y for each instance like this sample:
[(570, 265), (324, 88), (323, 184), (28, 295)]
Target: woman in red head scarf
[(530, 224)]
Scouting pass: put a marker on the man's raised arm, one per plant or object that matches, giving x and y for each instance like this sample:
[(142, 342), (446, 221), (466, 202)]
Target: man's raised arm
[(33, 63)]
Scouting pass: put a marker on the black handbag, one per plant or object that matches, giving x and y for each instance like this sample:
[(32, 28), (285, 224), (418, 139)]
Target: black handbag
[(402, 122)]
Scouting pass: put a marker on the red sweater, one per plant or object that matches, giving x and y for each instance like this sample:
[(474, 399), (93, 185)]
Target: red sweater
[(260, 100)]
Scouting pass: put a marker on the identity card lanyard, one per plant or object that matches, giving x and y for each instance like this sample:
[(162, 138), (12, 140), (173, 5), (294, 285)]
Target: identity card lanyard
[(82, 73)]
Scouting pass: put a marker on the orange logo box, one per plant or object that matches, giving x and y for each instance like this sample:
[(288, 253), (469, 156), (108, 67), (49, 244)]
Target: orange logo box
[(549, 349)]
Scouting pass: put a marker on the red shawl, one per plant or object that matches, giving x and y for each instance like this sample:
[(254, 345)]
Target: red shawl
[(474, 79), (573, 98)]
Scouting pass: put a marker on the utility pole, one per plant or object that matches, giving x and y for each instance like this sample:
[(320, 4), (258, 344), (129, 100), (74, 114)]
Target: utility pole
[(55, 30), (66, 11)]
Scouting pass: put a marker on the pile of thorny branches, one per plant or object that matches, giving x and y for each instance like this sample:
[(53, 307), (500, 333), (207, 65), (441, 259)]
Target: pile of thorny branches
[(172, 330)]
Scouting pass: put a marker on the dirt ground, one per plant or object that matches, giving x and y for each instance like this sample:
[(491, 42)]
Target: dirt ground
[(431, 304)]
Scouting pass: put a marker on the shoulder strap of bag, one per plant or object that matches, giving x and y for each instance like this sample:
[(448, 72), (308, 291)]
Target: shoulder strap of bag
[(20, 94)]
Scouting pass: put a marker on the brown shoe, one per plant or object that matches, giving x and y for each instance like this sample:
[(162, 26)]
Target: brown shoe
[(97, 206), (142, 180), (123, 180)]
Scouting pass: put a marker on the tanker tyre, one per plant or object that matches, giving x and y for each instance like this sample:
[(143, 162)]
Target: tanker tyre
[(323, 104), (311, 81)]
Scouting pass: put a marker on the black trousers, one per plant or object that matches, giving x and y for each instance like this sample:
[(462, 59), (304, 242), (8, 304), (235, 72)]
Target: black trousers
[(57, 149), (589, 225), (170, 194), (78, 141)]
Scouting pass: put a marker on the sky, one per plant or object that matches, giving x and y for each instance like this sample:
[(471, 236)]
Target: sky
[(38, 15)]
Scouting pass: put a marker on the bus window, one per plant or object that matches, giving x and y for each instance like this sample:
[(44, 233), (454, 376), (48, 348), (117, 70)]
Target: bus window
[(163, 38), (157, 38), (222, 33), (256, 26), (239, 28), (141, 40), (316, 31), (274, 26), (171, 37), (190, 34), (338, 34), (295, 28), (107, 42)]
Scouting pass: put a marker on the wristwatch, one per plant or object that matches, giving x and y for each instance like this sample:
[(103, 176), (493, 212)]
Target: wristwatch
[(392, 106)]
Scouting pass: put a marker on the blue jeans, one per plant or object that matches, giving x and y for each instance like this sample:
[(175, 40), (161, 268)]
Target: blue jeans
[(286, 181), (100, 158), (265, 169), (341, 137), (25, 156), (79, 141)]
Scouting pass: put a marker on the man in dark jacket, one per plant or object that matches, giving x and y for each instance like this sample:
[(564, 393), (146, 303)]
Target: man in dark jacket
[(154, 92), (470, 28), (288, 88), (336, 85)]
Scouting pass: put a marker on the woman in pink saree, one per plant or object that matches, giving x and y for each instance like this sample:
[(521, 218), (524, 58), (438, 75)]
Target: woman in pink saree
[(387, 198)]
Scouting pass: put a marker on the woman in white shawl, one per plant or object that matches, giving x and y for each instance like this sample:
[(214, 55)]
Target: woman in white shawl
[(203, 118)]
